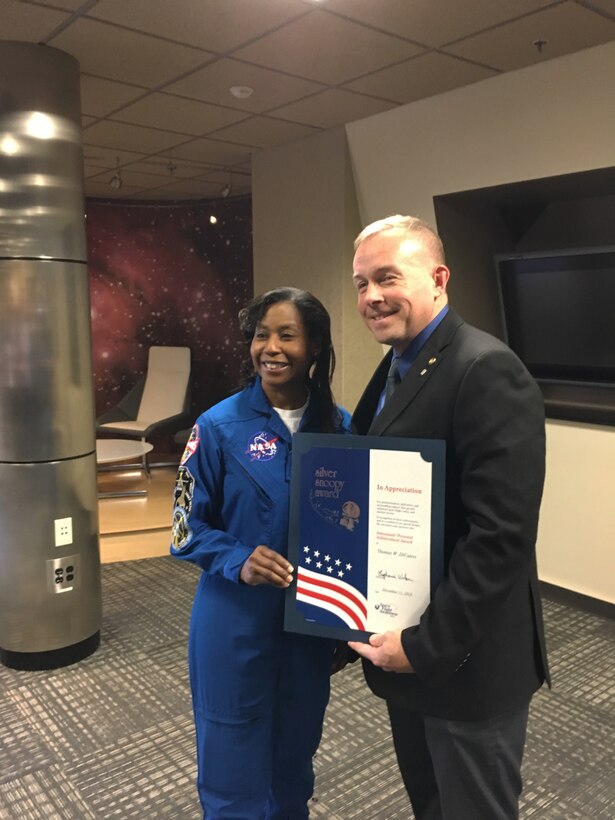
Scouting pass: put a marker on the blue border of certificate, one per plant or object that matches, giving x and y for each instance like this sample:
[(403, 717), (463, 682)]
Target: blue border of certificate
[(304, 446)]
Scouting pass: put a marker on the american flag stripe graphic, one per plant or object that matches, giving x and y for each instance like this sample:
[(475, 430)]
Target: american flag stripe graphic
[(334, 595)]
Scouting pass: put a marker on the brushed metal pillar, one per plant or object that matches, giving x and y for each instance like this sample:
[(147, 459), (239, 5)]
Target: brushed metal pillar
[(50, 593)]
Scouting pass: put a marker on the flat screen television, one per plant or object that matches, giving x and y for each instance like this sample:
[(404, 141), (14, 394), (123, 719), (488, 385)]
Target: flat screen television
[(558, 311)]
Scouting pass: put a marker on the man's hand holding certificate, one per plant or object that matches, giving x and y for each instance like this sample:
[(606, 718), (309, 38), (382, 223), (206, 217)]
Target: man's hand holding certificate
[(385, 651)]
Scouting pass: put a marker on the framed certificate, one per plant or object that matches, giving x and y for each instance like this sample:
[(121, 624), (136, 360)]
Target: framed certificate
[(366, 533)]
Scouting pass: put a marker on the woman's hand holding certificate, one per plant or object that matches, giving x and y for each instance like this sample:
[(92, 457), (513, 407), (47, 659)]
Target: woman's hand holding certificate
[(266, 566)]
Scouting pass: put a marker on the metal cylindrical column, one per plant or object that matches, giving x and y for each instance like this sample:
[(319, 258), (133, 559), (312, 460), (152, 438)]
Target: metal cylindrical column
[(50, 593)]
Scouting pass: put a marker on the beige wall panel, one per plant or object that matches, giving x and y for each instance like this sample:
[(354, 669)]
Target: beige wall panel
[(576, 535), (545, 120), (550, 119), (305, 219)]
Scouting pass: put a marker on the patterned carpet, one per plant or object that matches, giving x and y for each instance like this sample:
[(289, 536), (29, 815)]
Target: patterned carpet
[(112, 736)]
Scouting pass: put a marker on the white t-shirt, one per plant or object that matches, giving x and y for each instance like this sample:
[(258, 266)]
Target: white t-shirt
[(292, 418)]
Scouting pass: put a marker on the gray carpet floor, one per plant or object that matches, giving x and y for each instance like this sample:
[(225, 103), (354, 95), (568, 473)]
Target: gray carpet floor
[(112, 736)]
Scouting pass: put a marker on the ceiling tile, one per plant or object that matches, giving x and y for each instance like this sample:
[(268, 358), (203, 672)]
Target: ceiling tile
[(95, 156), (99, 97), (131, 137), (240, 183), (422, 76), (333, 107), (154, 195), (271, 88), (566, 28), (166, 166), (70, 5), (174, 47), (326, 48), (161, 195), (434, 22), (95, 169), (220, 153), (607, 6), (218, 25), (102, 190), (245, 167), (218, 177), (189, 188), (175, 113), (90, 171), (32, 24), (115, 53), (264, 132), (133, 179)]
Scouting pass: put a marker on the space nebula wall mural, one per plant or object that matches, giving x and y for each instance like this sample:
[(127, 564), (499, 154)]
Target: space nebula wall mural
[(165, 275)]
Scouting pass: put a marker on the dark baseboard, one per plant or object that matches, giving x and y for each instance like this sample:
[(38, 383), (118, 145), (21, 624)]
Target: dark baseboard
[(53, 658), (567, 596)]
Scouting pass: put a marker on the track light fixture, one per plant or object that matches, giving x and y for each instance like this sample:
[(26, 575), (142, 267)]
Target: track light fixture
[(227, 189), (116, 180)]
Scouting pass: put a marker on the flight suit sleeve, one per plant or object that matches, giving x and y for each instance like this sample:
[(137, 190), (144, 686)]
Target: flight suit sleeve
[(198, 500)]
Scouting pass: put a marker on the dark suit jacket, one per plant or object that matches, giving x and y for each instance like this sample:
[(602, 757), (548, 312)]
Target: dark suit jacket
[(479, 648)]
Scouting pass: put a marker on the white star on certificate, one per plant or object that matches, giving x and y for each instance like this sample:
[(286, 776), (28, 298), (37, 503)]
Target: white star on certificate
[(348, 567), (329, 569), (340, 574), (316, 553), (338, 562), (318, 564), (306, 549), (327, 558), (308, 560)]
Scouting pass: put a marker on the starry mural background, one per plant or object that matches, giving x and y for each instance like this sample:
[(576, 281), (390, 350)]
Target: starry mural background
[(162, 275)]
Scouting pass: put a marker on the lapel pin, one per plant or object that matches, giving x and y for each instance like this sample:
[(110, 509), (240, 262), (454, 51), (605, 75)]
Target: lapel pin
[(432, 360)]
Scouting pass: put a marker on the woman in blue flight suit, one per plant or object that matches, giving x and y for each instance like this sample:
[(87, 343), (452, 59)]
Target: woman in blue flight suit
[(259, 693)]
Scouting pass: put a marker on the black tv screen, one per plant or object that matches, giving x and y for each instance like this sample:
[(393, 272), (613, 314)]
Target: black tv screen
[(559, 313)]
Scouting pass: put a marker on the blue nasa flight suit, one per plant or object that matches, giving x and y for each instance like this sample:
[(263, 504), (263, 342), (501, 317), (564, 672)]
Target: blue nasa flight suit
[(259, 693)]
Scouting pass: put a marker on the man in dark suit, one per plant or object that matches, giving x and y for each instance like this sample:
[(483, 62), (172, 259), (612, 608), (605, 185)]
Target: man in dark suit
[(458, 684)]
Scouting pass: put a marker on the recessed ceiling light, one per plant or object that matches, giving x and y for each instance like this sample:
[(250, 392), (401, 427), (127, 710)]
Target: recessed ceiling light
[(241, 92)]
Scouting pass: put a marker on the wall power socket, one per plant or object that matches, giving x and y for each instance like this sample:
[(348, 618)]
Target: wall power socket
[(63, 528)]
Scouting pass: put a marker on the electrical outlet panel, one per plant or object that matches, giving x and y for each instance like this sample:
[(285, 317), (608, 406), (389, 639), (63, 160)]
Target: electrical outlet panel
[(63, 528), (64, 574)]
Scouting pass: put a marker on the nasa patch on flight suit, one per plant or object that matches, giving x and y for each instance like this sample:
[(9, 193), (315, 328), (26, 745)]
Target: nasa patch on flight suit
[(262, 446), (191, 444), (182, 505)]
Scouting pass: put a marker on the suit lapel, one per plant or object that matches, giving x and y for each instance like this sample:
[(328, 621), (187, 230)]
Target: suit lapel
[(416, 378)]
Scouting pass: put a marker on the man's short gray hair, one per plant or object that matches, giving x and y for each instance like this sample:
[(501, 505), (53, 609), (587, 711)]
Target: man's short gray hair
[(409, 225)]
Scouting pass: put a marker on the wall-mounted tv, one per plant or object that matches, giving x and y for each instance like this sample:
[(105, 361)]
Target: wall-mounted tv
[(558, 312)]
